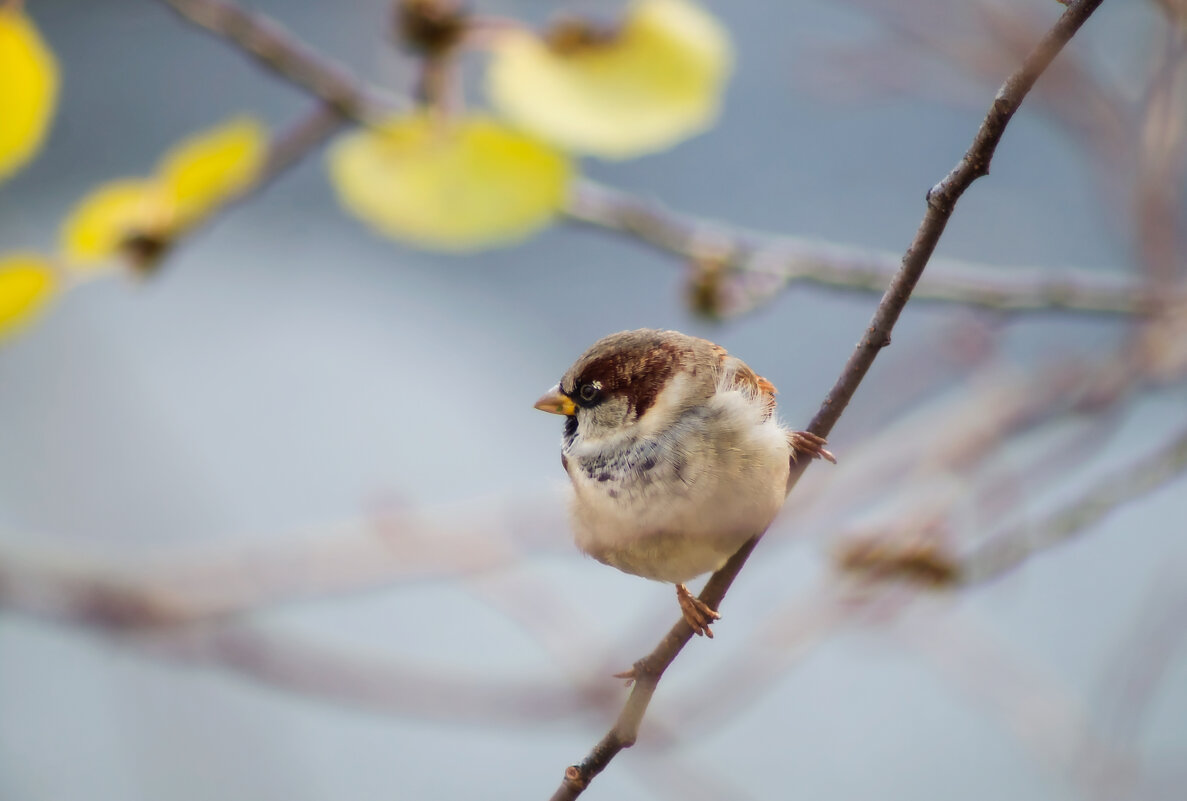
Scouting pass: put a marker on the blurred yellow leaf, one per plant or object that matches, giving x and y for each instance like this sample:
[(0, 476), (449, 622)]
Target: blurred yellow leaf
[(26, 284), (28, 89), (652, 82), (191, 180), (106, 217), (457, 185), (207, 168)]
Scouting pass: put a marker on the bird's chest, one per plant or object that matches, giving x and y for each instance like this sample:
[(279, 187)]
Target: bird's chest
[(668, 508), (632, 486)]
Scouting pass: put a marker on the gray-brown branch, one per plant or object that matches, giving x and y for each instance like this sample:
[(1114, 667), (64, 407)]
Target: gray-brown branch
[(760, 265), (278, 50), (941, 200), (754, 267), (1009, 549)]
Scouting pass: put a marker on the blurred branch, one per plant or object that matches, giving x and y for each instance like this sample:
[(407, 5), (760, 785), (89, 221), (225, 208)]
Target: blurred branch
[(982, 39), (1136, 137), (1006, 551), (1144, 660), (165, 625), (286, 149), (913, 536), (374, 680), (792, 631), (187, 586), (1161, 161), (941, 201), (1040, 712), (183, 613), (917, 545), (754, 267), (278, 50), (293, 143)]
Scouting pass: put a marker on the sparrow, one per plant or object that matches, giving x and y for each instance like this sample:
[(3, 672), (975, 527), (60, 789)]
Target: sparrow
[(675, 456)]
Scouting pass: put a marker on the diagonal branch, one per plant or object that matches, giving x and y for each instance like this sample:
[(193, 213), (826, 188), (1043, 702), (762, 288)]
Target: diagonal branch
[(941, 200), (278, 50)]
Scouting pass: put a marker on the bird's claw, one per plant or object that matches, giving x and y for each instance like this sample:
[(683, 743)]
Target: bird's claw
[(810, 445), (697, 614)]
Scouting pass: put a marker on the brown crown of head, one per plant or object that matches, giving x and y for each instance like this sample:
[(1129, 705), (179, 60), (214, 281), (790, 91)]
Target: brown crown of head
[(637, 365)]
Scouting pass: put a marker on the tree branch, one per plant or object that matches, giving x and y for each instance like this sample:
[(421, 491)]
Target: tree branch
[(285, 149), (756, 266), (1006, 551), (752, 268), (941, 200), (276, 49), (374, 680)]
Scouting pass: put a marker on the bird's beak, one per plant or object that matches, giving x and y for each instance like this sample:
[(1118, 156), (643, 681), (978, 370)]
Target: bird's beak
[(556, 402)]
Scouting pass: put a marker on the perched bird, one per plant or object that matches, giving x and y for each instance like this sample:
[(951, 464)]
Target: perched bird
[(675, 455)]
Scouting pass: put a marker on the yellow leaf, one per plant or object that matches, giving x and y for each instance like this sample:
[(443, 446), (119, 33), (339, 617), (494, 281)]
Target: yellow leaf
[(460, 185), (192, 178), (28, 89), (656, 80), (26, 284), (209, 167), (104, 219)]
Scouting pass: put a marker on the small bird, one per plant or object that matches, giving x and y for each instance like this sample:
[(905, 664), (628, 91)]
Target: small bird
[(675, 455)]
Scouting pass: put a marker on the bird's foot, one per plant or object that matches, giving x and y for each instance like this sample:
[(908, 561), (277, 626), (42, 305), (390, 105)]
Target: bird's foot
[(697, 614), (810, 445)]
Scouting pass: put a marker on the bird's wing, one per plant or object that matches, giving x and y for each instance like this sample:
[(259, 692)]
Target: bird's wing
[(739, 376)]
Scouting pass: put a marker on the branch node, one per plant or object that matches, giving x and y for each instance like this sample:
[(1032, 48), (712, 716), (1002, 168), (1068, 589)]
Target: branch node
[(574, 779), (626, 740), (642, 669), (936, 198)]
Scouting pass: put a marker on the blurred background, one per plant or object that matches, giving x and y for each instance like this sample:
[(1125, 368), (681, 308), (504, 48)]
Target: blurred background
[(280, 522)]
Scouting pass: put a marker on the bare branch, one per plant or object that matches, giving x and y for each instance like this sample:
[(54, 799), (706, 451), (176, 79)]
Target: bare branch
[(291, 144), (982, 39), (182, 586), (754, 267), (286, 149), (788, 635), (1144, 659), (373, 680), (1042, 715), (1162, 159), (941, 200), (278, 50), (1006, 551), (758, 266)]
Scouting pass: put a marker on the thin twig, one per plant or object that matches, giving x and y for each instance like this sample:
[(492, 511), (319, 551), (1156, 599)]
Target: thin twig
[(278, 50), (981, 39), (941, 200), (286, 149), (291, 144)]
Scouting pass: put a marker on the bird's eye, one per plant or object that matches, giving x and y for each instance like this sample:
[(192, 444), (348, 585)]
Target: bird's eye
[(589, 392)]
